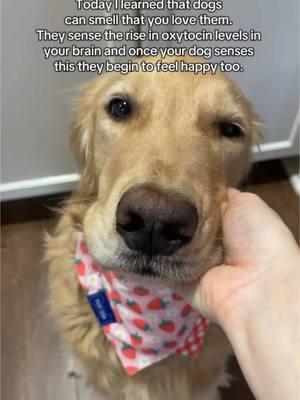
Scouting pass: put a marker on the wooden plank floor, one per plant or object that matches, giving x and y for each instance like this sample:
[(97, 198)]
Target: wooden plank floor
[(34, 360)]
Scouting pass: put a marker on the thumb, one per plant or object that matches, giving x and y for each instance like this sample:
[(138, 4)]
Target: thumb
[(204, 295)]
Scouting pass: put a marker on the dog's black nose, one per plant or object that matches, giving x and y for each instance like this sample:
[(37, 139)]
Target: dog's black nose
[(155, 222)]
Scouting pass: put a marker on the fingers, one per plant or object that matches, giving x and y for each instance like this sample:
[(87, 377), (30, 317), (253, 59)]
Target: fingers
[(190, 292), (231, 192), (195, 295)]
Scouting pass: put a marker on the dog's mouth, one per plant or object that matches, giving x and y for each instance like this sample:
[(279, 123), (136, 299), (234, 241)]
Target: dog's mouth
[(155, 267)]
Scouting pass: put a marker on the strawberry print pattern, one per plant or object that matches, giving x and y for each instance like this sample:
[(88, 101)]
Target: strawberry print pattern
[(133, 305), (167, 326), (157, 304), (142, 325), (152, 321)]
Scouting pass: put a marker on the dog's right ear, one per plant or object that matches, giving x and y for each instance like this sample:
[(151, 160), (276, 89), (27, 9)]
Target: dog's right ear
[(82, 136)]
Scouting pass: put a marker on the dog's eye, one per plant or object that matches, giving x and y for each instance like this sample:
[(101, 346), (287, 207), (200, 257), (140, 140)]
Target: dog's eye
[(230, 130), (119, 108)]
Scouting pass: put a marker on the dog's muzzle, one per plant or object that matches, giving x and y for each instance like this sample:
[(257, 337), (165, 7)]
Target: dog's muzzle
[(155, 222)]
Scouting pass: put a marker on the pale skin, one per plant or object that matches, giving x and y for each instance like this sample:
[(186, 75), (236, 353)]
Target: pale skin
[(255, 296)]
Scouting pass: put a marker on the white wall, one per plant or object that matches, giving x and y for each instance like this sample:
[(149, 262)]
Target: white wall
[(271, 77), (36, 101)]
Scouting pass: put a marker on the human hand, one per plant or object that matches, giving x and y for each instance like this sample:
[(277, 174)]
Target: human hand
[(260, 254), (254, 296)]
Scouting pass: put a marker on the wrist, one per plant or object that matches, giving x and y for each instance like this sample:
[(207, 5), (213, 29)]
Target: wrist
[(267, 348)]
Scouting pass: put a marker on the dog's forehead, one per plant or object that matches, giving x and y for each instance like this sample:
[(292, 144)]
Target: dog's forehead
[(183, 87)]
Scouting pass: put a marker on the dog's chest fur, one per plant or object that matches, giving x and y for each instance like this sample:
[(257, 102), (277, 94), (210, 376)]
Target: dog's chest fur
[(176, 377)]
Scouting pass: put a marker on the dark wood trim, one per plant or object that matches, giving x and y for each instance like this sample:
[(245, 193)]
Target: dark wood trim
[(266, 172), (31, 209)]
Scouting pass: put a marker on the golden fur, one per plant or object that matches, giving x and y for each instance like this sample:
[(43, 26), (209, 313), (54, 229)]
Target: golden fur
[(172, 142)]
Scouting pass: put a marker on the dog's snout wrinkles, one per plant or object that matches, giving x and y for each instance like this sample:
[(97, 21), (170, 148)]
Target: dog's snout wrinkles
[(155, 222)]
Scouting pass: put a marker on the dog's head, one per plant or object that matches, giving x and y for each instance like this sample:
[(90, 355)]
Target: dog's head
[(156, 152)]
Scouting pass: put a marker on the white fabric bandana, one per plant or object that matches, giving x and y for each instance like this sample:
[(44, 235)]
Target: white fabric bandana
[(144, 323)]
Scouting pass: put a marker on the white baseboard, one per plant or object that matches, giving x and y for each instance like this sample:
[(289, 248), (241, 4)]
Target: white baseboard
[(64, 183), (275, 150), (38, 187)]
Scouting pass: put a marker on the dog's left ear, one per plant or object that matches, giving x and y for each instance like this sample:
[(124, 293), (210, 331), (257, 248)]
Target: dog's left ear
[(257, 129), (239, 164), (82, 135)]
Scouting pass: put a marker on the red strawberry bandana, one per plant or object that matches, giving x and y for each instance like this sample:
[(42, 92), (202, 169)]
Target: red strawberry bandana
[(144, 323)]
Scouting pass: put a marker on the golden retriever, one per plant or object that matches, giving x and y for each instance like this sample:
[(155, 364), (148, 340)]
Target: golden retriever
[(154, 148)]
